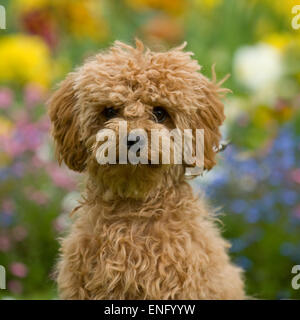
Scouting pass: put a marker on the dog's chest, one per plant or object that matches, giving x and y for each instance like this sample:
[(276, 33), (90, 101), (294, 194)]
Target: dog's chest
[(132, 259)]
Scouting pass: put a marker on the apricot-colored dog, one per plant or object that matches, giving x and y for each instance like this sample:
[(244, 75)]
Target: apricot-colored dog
[(139, 232)]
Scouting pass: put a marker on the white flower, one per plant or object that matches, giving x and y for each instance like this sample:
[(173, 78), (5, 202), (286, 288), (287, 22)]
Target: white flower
[(62, 222), (44, 152), (258, 67), (70, 201)]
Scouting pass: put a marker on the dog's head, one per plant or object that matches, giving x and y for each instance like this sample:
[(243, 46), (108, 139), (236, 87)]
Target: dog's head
[(143, 92)]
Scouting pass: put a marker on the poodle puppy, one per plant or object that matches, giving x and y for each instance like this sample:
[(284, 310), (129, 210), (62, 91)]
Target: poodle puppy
[(140, 232)]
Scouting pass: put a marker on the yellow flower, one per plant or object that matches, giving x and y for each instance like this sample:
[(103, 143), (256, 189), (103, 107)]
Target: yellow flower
[(208, 4), (25, 59), (281, 6), (282, 41), (84, 18), (278, 40), (5, 127), (61, 66), (284, 114), (81, 17), (262, 117), (25, 6), (169, 6)]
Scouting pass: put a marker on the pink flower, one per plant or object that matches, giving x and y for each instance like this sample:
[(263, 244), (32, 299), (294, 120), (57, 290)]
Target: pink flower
[(12, 147), (61, 223), (20, 116), (33, 95), (18, 169), (19, 233), (6, 98), (15, 286), (26, 137), (297, 212), (243, 120), (44, 124), (61, 178), (36, 162), (295, 175), (8, 206), (5, 243), (37, 196), (18, 269)]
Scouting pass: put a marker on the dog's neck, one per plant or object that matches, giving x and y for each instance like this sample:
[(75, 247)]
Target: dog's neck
[(153, 206), (166, 192)]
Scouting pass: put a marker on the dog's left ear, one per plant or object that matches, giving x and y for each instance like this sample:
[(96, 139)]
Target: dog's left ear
[(63, 113), (210, 116)]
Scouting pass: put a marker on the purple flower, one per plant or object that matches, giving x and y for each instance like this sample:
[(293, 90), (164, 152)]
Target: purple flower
[(33, 95), (15, 286), (18, 269), (6, 98)]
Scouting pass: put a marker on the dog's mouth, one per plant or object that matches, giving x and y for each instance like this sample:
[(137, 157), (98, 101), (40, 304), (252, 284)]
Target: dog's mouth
[(145, 162), (149, 165), (137, 165), (129, 180), (137, 159)]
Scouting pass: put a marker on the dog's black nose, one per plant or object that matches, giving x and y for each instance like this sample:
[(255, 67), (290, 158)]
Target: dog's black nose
[(130, 143), (133, 140)]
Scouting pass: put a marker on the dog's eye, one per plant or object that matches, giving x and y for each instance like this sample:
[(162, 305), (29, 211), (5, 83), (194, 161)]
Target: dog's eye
[(110, 112), (160, 114)]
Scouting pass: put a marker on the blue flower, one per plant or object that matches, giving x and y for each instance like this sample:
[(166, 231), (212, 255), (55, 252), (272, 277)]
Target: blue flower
[(244, 262), (285, 140), (4, 174), (289, 197), (238, 245), (252, 215), (6, 220), (276, 178), (283, 294), (238, 206), (268, 201), (287, 249)]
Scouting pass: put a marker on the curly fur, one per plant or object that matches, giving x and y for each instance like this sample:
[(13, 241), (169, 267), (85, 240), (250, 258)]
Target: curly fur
[(140, 233)]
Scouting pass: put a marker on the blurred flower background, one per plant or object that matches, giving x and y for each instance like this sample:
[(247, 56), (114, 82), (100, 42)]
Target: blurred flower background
[(256, 182)]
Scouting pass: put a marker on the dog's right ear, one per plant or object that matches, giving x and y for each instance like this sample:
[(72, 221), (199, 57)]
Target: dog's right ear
[(63, 113)]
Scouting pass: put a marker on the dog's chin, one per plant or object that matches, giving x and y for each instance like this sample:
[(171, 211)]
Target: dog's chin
[(131, 181)]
